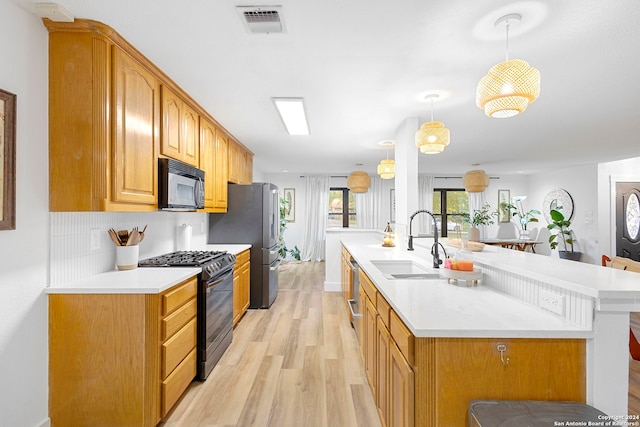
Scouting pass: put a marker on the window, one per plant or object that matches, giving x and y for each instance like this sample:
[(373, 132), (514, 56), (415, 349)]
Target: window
[(449, 204), (342, 208)]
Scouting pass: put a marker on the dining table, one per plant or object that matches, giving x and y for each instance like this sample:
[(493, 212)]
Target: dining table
[(525, 245)]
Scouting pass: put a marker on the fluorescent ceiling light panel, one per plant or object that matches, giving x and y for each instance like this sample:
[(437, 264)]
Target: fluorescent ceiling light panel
[(292, 114)]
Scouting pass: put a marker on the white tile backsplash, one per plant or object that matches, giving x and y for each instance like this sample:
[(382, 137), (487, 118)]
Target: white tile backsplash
[(71, 257)]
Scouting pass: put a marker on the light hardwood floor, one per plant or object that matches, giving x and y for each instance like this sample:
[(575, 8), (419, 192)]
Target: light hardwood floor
[(298, 364), (295, 364)]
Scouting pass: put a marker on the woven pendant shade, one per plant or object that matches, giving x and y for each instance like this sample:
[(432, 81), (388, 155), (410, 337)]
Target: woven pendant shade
[(508, 88), (432, 137), (387, 169), (358, 182), (475, 181)]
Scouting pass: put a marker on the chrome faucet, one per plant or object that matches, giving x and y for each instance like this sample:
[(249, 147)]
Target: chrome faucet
[(434, 249)]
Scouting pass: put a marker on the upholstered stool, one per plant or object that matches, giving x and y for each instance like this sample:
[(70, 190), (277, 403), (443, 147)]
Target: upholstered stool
[(530, 413)]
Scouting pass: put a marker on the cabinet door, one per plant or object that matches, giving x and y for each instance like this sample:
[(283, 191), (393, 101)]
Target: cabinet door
[(136, 111), (383, 364), (370, 358), (190, 138), (180, 138), (207, 161), (234, 162), (245, 286), (171, 129), (248, 168), (221, 171), (401, 390)]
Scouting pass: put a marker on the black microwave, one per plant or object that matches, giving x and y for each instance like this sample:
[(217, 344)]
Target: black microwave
[(181, 186)]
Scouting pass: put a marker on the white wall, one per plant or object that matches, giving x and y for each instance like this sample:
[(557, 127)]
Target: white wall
[(24, 251)]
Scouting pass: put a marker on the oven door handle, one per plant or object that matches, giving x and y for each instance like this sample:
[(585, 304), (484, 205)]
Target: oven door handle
[(219, 280), (275, 267)]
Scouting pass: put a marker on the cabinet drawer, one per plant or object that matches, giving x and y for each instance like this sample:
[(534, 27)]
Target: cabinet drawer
[(177, 347), (173, 387), (384, 309), (368, 286), (403, 337), (243, 257), (179, 295), (176, 320)]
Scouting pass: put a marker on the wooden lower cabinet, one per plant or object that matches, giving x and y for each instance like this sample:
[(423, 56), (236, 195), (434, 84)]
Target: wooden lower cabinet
[(430, 382), (120, 359), (241, 285)]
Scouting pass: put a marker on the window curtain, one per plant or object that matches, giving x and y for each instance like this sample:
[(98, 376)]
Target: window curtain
[(316, 205), (425, 201), (369, 207), (476, 202)]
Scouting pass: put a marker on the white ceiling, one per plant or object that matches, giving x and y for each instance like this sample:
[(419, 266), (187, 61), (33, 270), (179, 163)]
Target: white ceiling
[(361, 64)]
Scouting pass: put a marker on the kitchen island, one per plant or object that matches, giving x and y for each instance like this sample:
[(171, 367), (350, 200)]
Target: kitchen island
[(579, 313)]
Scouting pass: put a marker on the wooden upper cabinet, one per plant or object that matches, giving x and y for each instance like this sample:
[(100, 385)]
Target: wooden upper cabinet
[(234, 162), (112, 113), (213, 160), (180, 126), (240, 164), (221, 171), (207, 159), (103, 122), (136, 126)]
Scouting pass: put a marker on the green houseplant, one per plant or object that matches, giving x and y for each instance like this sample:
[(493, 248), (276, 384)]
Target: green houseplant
[(524, 218), (564, 233), (295, 252), (482, 216)]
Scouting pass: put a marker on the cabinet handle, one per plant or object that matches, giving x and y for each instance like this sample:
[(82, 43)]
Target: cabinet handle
[(351, 303), (502, 348)]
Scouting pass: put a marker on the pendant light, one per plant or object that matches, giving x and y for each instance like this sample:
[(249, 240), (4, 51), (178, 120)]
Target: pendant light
[(387, 168), (475, 181), (510, 86), (358, 182), (432, 136)]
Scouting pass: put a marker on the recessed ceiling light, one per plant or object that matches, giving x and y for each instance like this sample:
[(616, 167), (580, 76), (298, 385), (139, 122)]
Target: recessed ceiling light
[(293, 115)]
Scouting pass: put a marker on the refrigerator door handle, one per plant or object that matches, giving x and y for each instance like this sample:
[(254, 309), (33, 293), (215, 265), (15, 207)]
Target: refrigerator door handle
[(275, 250), (275, 267)]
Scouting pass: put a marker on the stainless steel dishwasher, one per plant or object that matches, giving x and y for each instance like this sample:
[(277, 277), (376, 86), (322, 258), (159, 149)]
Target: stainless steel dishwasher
[(354, 302)]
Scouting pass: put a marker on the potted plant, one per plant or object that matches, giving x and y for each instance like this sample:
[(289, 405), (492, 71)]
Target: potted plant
[(482, 216), (564, 234), (295, 252), (524, 218)]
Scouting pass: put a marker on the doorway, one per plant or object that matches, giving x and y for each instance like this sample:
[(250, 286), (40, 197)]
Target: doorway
[(628, 220)]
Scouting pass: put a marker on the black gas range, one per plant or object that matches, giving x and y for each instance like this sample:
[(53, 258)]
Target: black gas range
[(215, 300)]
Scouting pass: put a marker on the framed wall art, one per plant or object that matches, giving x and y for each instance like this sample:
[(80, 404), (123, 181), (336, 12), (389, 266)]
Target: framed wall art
[(504, 199), (7, 160), (290, 205)]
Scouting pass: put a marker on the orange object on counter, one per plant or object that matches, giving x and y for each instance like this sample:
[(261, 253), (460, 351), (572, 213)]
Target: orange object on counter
[(464, 265)]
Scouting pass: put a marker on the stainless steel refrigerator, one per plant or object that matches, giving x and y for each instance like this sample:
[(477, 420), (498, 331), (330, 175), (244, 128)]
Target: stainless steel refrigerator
[(253, 217)]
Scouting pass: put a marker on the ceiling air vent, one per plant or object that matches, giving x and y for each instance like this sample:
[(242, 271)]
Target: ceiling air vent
[(262, 19)]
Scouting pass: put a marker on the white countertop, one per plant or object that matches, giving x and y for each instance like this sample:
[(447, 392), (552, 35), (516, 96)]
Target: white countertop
[(139, 280), (435, 308)]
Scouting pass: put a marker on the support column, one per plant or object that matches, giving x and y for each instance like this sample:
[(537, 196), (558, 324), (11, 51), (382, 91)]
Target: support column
[(406, 180), (608, 363)]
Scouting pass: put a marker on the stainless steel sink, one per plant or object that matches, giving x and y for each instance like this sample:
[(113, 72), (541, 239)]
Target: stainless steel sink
[(404, 269)]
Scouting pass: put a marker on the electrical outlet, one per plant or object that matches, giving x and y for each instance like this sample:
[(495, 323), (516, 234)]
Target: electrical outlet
[(95, 239), (552, 302)]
